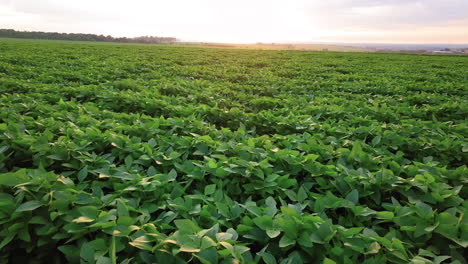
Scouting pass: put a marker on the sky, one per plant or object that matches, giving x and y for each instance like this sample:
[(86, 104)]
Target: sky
[(249, 21)]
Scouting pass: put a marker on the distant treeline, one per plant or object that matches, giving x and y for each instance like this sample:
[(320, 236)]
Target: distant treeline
[(11, 33)]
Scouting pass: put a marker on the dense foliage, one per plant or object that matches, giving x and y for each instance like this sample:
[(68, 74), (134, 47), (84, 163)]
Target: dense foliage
[(11, 33), (154, 154)]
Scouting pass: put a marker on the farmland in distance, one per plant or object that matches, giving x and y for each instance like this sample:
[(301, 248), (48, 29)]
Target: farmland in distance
[(127, 153)]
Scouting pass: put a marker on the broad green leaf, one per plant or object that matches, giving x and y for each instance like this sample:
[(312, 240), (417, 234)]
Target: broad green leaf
[(87, 253), (185, 226), (210, 189), (212, 164), (285, 241), (326, 232), (83, 173), (289, 227), (88, 211), (189, 243), (265, 222), (223, 236), (304, 240), (125, 220), (352, 231), (103, 260), (385, 215), (272, 233), (172, 175), (14, 178), (267, 257), (376, 140), (29, 206), (72, 253), (302, 195), (208, 255), (122, 209), (353, 196), (7, 239)]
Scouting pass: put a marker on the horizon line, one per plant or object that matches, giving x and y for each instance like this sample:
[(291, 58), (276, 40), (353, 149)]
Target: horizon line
[(256, 42)]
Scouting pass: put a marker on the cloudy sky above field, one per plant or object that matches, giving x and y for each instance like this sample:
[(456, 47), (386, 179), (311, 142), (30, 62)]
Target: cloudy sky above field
[(385, 21)]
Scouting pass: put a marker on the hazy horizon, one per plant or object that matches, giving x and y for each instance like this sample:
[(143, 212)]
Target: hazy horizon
[(336, 21)]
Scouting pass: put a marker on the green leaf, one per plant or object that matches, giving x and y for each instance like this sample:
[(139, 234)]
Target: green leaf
[(385, 215), (208, 256), (356, 152), (128, 161), (301, 194), (223, 236), (328, 261), (207, 242), (294, 257), (186, 226), (424, 210), (289, 227), (265, 222), (210, 189), (29, 206), (272, 233), (103, 260), (88, 211), (151, 171), (3, 149), (189, 243), (172, 175), (83, 173), (271, 204), (440, 259), (87, 253), (24, 235), (304, 240), (285, 241), (14, 178), (325, 231), (72, 253), (352, 231), (212, 164), (7, 239), (465, 148), (7, 203), (353, 196), (122, 209), (267, 257), (125, 220), (221, 172), (376, 140)]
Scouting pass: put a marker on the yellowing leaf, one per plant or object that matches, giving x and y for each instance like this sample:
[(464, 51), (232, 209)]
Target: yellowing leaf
[(83, 219)]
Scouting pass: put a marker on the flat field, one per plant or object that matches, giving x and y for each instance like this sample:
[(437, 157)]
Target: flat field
[(114, 153)]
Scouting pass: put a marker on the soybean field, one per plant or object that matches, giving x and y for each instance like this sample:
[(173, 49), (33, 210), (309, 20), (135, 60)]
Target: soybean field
[(128, 153)]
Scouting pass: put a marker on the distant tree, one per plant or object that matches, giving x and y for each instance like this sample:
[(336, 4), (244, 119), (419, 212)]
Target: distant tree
[(11, 33)]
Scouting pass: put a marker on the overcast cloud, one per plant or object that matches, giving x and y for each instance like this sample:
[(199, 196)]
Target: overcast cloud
[(392, 21)]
